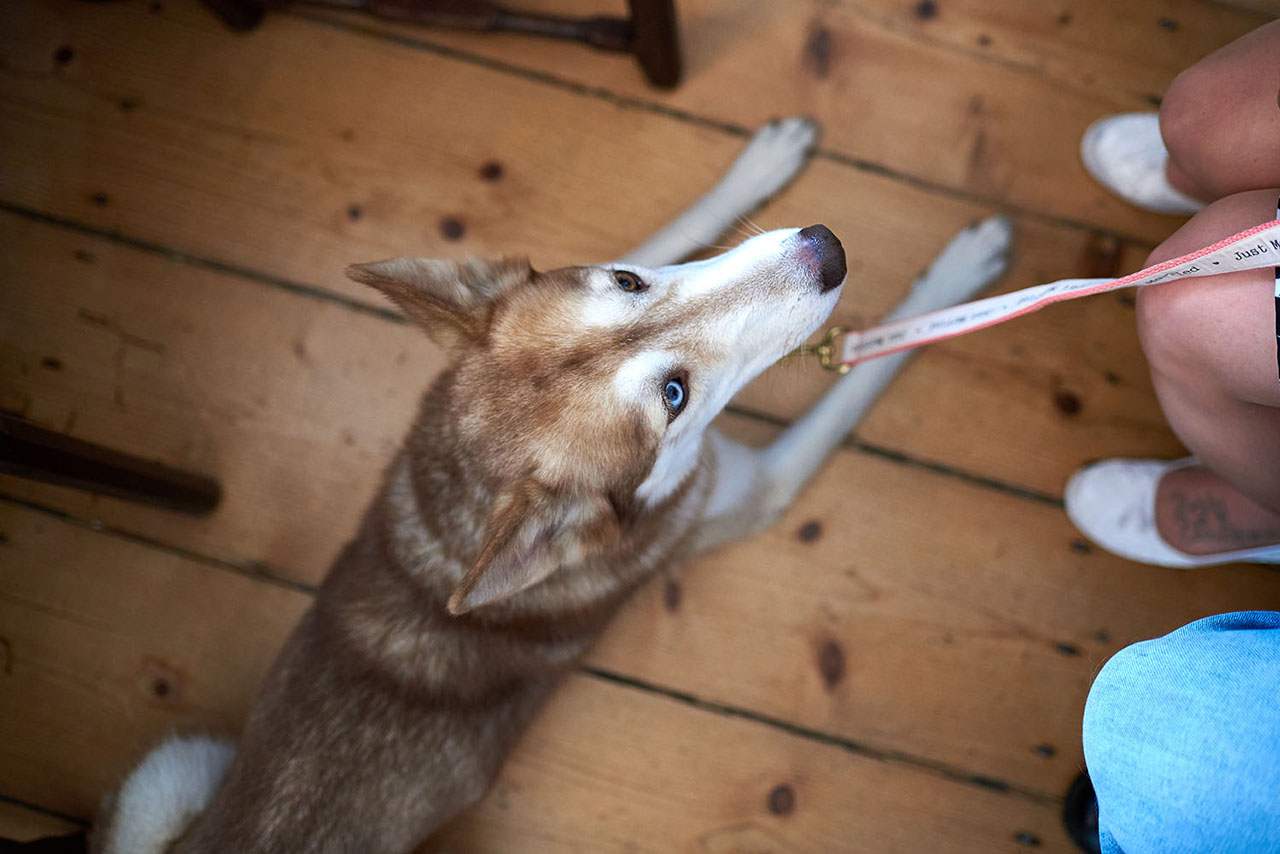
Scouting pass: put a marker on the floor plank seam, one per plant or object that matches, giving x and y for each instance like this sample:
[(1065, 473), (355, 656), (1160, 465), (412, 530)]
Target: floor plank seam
[(959, 474), (202, 263), (634, 103), (261, 573), (982, 781), (254, 570), (52, 813), (1240, 9), (853, 443)]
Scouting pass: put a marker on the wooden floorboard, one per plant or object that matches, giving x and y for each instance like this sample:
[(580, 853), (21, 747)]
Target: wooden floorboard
[(908, 651), (151, 643), (293, 404)]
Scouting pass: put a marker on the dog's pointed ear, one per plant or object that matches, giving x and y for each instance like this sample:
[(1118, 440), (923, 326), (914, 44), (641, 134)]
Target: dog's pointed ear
[(532, 533), (450, 299)]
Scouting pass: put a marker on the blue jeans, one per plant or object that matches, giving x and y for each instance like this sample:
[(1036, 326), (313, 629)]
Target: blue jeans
[(1182, 740)]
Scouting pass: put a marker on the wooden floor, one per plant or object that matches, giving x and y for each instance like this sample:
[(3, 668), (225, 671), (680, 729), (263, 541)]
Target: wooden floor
[(900, 665)]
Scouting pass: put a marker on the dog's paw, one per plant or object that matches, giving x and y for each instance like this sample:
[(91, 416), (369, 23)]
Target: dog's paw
[(773, 157), (973, 259)]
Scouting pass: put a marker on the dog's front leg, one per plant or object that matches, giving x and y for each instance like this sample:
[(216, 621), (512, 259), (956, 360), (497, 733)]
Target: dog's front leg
[(753, 488), (772, 158)]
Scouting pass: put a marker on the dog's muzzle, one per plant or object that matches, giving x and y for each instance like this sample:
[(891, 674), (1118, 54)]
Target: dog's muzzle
[(830, 254)]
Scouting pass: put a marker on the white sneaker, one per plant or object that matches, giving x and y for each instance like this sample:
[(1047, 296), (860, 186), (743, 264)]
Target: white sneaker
[(1113, 503), (1126, 154)]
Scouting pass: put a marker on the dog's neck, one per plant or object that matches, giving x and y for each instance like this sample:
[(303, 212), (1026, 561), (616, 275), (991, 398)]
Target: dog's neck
[(423, 531)]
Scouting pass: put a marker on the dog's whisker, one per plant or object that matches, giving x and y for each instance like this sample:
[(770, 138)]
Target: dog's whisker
[(751, 224), (746, 227), (699, 244)]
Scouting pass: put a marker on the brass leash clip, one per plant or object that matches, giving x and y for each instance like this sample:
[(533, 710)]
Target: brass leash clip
[(825, 350)]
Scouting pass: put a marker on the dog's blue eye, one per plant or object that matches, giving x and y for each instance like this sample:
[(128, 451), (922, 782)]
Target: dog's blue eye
[(674, 395)]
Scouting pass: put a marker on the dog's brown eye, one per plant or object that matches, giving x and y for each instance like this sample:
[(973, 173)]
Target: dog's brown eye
[(629, 282)]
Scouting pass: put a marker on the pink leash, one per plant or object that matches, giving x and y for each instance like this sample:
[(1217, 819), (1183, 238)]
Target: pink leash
[(1252, 249)]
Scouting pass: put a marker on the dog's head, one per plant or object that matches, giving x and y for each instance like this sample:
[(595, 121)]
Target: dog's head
[(585, 391)]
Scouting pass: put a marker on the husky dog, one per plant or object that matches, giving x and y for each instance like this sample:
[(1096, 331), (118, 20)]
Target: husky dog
[(563, 458)]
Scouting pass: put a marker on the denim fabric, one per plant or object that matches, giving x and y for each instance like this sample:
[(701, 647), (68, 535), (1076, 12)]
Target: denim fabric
[(1182, 740)]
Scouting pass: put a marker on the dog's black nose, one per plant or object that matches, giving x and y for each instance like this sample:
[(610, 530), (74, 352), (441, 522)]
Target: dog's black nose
[(830, 254)]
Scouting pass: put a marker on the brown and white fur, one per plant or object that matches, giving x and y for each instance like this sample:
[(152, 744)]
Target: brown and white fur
[(546, 477)]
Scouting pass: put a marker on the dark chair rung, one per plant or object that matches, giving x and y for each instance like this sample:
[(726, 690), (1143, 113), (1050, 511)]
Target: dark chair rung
[(35, 453), (651, 32)]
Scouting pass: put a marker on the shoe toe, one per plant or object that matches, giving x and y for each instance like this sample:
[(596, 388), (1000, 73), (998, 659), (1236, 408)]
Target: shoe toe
[(1127, 155), (1115, 147), (1113, 504)]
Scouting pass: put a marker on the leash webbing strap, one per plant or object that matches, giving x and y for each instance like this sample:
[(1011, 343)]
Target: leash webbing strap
[(1277, 276), (1253, 249)]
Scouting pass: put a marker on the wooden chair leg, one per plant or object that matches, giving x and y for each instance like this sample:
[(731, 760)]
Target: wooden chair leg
[(657, 41), (76, 843), (32, 452), (651, 33)]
